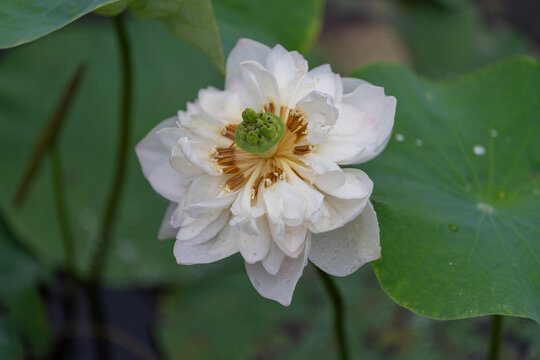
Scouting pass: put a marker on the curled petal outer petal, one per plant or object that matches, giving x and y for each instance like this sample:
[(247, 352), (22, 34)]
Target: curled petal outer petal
[(254, 248), (364, 125), (200, 254), (166, 230), (327, 82), (273, 260), (154, 159), (279, 287), (245, 50), (344, 203), (342, 251), (321, 115), (198, 154), (203, 228), (262, 83)]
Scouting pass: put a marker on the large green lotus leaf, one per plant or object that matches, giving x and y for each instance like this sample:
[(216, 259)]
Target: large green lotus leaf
[(22, 21), (295, 25), (457, 192)]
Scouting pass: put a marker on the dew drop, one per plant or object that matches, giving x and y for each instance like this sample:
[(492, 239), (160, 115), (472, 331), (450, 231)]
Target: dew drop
[(479, 150), (501, 194), (400, 137), (418, 142), (485, 207), (453, 227), (493, 133), (450, 263)]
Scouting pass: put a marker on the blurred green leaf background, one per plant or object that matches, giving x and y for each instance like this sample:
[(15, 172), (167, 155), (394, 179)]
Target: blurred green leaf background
[(211, 311)]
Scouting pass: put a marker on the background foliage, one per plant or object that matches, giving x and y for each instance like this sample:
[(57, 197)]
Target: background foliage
[(198, 305)]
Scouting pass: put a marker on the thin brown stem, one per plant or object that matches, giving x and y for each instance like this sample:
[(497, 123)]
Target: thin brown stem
[(48, 136)]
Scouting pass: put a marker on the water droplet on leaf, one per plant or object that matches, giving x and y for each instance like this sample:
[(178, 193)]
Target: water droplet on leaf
[(400, 138), (493, 133), (418, 142), (479, 150), (485, 208), (453, 227)]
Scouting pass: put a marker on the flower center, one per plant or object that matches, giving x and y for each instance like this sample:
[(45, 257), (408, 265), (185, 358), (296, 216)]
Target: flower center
[(259, 133), (262, 166)]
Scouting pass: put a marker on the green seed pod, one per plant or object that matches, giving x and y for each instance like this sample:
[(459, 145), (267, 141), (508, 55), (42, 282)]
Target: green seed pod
[(258, 132)]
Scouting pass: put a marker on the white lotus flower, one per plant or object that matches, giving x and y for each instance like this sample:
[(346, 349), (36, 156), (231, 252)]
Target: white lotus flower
[(278, 198)]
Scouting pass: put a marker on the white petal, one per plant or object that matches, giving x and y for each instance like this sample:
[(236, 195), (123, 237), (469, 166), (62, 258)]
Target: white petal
[(204, 207), (243, 212), (281, 64), (169, 136), (203, 228), (226, 242), (357, 185), (327, 82), (244, 50), (198, 154), (222, 105), (254, 247), (342, 251), (169, 183), (293, 240), (327, 175), (154, 159), (205, 189), (197, 254), (178, 162), (311, 198), (279, 287), (350, 84), (273, 260), (320, 113), (345, 203), (345, 141), (376, 124), (262, 83), (166, 230), (283, 204)]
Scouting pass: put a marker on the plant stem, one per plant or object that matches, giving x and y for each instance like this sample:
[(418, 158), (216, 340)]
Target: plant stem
[(48, 136), (339, 313), (111, 210), (63, 219), (495, 342)]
